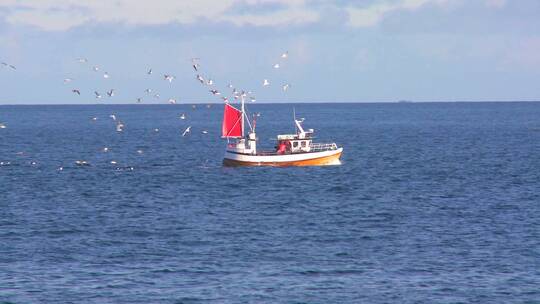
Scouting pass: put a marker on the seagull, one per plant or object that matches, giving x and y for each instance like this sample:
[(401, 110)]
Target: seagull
[(9, 65), (81, 163), (94, 118), (276, 66), (148, 91), (139, 100), (67, 80), (229, 86), (2, 126), (186, 131), (156, 95), (285, 87), (149, 72), (209, 82), (113, 162), (215, 92), (172, 101), (140, 151), (111, 93), (95, 69), (183, 116), (119, 126), (105, 149), (204, 132), (196, 67), (156, 130), (105, 75), (82, 60), (76, 91), (285, 55), (252, 99), (97, 94), (113, 117), (225, 99), (266, 83), (170, 78), (200, 78)]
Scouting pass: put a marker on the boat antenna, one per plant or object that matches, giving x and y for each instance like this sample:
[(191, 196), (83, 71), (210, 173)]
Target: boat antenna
[(294, 119)]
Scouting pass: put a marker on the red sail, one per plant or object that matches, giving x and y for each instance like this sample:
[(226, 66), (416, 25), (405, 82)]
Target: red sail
[(232, 122)]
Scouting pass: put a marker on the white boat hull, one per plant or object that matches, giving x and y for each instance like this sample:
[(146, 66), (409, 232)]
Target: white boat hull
[(323, 158)]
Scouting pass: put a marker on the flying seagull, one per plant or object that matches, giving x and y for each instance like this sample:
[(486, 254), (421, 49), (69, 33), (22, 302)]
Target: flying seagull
[(9, 65), (105, 75), (111, 93), (119, 126), (215, 92), (170, 78), (76, 91), (285, 87), (266, 83), (149, 72), (285, 55), (97, 94), (200, 78), (276, 66), (186, 131)]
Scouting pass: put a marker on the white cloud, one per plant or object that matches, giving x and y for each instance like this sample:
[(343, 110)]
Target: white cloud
[(495, 3), (57, 15), (371, 15)]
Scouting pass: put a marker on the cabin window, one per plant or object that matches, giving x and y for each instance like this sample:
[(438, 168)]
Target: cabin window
[(295, 144), (303, 144)]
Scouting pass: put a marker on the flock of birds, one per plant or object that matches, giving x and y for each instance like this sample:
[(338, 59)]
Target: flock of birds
[(208, 83)]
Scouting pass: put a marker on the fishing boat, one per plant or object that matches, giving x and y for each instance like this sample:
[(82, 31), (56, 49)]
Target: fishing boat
[(291, 149)]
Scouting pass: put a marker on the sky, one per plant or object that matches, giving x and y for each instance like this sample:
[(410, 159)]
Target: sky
[(338, 51)]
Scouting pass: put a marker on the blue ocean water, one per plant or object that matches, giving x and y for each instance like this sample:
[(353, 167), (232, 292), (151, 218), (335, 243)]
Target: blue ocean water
[(434, 203)]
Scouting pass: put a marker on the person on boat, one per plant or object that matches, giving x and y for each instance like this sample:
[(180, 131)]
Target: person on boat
[(281, 148)]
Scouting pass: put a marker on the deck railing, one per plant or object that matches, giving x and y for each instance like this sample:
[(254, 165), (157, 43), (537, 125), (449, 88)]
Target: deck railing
[(313, 148), (322, 147)]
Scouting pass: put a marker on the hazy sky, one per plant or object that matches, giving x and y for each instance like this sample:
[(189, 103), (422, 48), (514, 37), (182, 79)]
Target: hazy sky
[(364, 50)]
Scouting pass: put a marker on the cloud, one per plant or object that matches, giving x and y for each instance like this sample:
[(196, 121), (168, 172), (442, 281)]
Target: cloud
[(369, 16), (58, 15), (495, 3)]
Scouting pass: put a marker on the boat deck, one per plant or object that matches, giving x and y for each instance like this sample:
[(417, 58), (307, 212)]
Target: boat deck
[(313, 148)]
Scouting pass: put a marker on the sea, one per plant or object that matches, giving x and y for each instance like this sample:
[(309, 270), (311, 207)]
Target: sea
[(433, 203)]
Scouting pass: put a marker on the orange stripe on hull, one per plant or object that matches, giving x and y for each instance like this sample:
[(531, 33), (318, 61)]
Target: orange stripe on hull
[(321, 161)]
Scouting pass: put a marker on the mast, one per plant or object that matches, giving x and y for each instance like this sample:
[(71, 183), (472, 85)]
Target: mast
[(243, 114)]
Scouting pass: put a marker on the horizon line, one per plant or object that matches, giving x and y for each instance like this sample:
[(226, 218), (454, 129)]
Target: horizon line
[(272, 102)]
